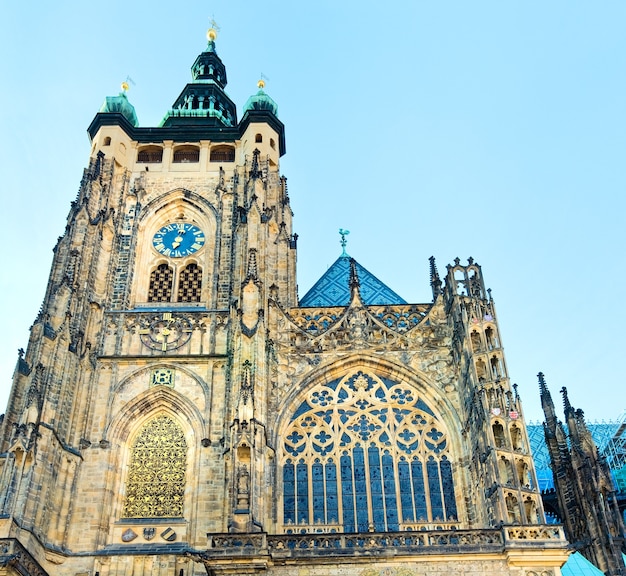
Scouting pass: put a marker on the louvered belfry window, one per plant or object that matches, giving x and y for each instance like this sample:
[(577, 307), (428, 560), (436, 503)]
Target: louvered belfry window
[(161, 280), (190, 284)]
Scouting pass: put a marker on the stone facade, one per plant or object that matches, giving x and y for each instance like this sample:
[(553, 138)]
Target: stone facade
[(173, 390)]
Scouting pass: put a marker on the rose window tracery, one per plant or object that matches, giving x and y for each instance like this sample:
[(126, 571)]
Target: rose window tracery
[(365, 453)]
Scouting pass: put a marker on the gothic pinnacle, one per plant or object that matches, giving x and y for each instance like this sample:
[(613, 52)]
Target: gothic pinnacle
[(567, 407), (354, 275), (435, 281)]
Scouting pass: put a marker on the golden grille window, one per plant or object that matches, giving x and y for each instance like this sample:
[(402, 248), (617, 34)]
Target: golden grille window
[(161, 280), (155, 487), (190, 284)]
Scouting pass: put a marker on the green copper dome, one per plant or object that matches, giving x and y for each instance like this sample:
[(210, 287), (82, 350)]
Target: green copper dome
[(121, 105), (261, 101)]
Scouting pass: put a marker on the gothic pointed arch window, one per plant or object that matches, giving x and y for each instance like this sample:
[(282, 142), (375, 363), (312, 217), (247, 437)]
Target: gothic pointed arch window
[(161, 281), (155, 486), (190, 283), (365, 453)]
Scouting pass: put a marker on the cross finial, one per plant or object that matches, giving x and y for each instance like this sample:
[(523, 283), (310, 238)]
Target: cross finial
[(126, 84), (213, 30), (343, 242), (261, 83)]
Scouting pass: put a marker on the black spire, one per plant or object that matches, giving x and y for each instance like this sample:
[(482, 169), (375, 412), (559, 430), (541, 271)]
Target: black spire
[(203, 101), (209, 66), (567, 407), (255, 170), (435, 281), (547, 404), (354, 275)]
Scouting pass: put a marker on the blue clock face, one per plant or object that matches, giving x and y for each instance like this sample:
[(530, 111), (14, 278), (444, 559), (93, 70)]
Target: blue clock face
[(178, 240)]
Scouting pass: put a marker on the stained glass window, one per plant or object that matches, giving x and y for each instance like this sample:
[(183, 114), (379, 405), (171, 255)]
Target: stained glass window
[(365, 453)]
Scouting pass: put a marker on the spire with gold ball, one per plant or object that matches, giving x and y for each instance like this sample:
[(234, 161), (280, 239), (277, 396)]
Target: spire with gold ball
[(203, 101), (261, 101), (119, 104)]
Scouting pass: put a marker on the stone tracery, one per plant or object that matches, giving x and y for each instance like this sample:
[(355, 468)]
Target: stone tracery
[(365, 453)]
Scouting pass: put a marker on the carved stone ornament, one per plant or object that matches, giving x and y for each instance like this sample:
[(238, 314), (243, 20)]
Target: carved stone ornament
[(168, 535), (166, 332), (128, 535)]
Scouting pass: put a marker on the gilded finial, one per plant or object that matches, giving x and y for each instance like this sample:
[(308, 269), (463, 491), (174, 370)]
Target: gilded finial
[(343, 242), (212, 31), (261, 83), (126, 84)]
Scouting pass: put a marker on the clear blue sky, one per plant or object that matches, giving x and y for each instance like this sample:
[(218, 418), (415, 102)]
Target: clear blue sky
[(495, 130)]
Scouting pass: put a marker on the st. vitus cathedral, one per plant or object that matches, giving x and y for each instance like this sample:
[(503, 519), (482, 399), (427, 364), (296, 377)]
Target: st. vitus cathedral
[(179, 411)]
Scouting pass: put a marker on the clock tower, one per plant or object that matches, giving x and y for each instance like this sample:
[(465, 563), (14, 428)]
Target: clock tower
[(179, 411)]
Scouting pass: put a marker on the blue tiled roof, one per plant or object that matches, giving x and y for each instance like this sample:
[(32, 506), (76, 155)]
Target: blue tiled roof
[(578, 565), (333, 288)]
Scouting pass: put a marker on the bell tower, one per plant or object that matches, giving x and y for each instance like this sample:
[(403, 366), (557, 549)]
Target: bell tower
[(134, 404)]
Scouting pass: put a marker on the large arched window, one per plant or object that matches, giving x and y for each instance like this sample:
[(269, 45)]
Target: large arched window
[(185, 154), (155, 487), (190, 284), (222, 154), (161, 279), (365, 453)]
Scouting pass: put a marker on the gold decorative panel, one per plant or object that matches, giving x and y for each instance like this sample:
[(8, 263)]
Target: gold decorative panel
[(155, 486)]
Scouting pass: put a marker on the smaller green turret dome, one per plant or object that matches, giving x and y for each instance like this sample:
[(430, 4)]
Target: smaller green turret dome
[(261, 101), (121, 105)]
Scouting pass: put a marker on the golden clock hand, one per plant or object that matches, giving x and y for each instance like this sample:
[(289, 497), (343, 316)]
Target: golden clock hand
[(165, 333)]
